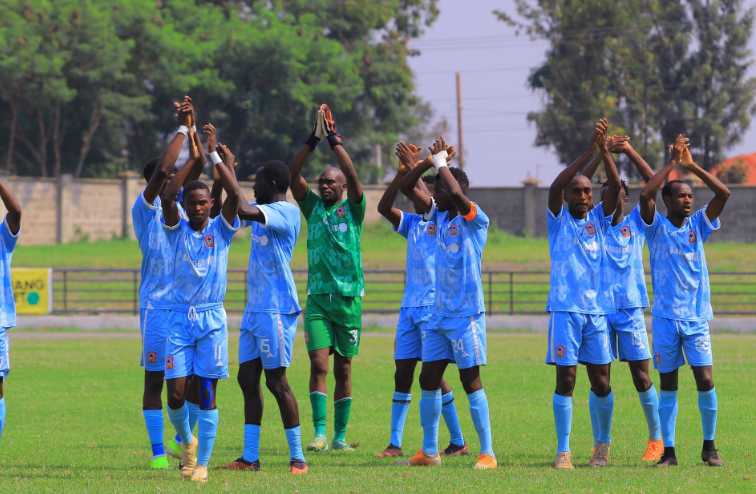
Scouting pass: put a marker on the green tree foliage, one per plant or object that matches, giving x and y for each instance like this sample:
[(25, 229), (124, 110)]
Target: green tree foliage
[(87, 86), (735, 173), (655, 68)]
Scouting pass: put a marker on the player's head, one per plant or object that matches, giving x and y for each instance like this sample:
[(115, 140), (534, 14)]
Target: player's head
[(197, 202), (272, 178), (622, 198), (678, 197), (149, 170), (430, 185), (441, 194), (332, 185), (579, 196)]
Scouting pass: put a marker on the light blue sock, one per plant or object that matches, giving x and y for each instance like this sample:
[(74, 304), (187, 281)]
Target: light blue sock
[(193, 414), (294, 439), (2, 415), (449, 411), (604, 410), (707, 404), (594, 417), (430, 414), (180, 420), (251, 442), (208, 426), (153, 419), (563, 418), (650, 403), (481, 420), (399, 409), (668, 416)]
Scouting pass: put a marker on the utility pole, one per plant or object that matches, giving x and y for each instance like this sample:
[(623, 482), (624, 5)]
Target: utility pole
[(378, 161), (459, 123)]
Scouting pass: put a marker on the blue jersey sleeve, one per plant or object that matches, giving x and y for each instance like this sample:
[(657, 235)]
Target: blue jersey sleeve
[(141, 215), (553, 222), (8, 238), (478, 223), (226, 230), (282, 217), (704, 225), (649, 231), (172, 231), (407, 223)]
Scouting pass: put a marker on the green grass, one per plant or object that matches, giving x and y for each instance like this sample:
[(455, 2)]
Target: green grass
[(74, 424)]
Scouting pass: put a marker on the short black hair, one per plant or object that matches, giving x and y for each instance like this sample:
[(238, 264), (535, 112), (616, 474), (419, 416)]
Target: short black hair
[(622, 184), (667, 189), (149, 168), (429, 179), (196, 185), (278, 172), (459, 175)]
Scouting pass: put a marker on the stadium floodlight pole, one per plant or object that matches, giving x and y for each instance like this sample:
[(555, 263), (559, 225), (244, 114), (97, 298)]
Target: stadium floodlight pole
[(459, 123)]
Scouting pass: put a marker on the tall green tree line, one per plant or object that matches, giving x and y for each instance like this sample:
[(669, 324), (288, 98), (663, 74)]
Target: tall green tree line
[(655, 68), (86, 87)]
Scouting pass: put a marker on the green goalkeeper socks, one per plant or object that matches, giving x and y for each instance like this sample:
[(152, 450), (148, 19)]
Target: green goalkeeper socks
[(318, 402), (341, 417)]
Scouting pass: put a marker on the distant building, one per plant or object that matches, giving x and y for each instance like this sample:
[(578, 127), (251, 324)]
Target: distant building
[(739, 169)]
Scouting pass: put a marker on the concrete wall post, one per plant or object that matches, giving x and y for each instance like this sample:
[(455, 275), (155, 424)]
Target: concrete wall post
[(65, 212)]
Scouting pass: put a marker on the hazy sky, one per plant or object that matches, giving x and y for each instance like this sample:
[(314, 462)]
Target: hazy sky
[(494, 64)]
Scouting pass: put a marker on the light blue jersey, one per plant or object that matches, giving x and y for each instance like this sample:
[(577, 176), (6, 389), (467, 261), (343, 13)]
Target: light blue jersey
[(578, 263), (420, 285), (459, 252), (200, 262), (7, 302), (678, 267), (624, 250), (270, 286), (157, 254)]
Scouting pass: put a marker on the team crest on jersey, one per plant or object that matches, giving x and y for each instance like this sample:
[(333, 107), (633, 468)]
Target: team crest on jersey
[(560, 351), (340, 212), (169, 363), (431, 228), (209, 240), (692, 236), (151, 357), (453, 229), (657, 357), (625, 231), (590, 228), (307, 337)]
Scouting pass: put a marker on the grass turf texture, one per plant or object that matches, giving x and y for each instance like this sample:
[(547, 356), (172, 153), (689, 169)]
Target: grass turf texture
[(74, 424)]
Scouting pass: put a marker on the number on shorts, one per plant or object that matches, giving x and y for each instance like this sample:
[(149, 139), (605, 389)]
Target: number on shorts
[(354, 336), (265, 345)]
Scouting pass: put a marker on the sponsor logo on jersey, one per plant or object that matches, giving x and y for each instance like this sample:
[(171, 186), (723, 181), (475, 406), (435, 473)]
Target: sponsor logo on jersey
[(169, 363), (209, 240), (625, 231), (340, 212), (431, 228), (560, 350), (657, 357), (453, 229), (151, 357), (590, 228), (307, 337), (692, 236)]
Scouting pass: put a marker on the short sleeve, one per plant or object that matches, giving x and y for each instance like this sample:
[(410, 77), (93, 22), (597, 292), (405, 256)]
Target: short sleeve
[(308, 204), (704, 224), (554, 221), (597, 216), (274, 217), (357, 209), (431, 215), (141, 214), (649, 231), (172, 231), (8, 238), (407, 223), (227, 230)]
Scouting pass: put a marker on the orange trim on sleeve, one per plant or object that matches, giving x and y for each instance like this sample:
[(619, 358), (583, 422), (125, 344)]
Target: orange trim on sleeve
[(473, 212)]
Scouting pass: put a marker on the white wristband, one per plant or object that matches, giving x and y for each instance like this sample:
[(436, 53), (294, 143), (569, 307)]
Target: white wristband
[(215, 157), (194, 128), (183, 130), (439, 160)]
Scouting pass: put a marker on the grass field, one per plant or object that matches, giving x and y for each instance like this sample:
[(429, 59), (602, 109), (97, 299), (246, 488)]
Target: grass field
[(74, 424)]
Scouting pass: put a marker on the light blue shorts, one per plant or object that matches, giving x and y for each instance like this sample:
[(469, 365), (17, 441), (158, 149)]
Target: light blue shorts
[(197, 344), (4, 354), (155, 325), (628, 336), (578, 338), (269, 337), (672, 337), (413, 323), (458, 339)]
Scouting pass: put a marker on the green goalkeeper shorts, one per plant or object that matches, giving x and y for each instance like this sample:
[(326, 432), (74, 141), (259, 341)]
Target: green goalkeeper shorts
[(333, 321)]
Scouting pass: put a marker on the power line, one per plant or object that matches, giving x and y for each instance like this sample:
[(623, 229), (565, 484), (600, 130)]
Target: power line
[(474, 71)]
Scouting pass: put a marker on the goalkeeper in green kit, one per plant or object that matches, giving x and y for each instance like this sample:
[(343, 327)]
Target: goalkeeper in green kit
[(333, 316)]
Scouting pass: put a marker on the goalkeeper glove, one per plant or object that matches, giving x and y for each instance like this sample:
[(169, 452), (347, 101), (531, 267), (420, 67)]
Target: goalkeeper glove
[(318, 131), (334, 139)]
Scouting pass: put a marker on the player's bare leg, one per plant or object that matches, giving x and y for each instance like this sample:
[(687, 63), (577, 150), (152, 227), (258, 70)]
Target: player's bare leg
[(707, 404), (278, 385), (639, 370), (249, 382), (599, 378)]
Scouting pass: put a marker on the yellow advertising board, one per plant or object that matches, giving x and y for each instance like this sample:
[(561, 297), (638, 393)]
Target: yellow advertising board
[(32, 289)]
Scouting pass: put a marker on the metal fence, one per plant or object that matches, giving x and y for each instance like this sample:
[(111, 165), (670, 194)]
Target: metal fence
[(506, 292)]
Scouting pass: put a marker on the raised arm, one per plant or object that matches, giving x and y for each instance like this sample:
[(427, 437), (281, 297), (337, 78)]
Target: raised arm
[(354, 188), (408, 185), (216, 192), (615, 144), (298, 183), (560, 182), (721, 192), (440, 151), (230, 185), (612, 176), (13, 218), (640, 164), (171, 192), (171, 153), (648, 194), (407, 155)]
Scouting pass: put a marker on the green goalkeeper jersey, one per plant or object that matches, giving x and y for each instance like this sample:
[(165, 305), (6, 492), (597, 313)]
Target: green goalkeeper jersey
[(334, 258)]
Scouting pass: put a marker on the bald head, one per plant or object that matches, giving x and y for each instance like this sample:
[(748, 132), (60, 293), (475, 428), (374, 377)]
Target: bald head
[(334, 173), (332, 185), (578, 181)]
